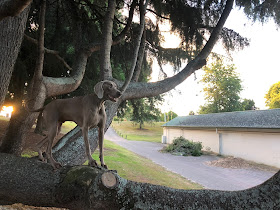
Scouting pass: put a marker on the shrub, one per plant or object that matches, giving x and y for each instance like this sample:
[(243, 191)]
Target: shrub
[(182, 146)]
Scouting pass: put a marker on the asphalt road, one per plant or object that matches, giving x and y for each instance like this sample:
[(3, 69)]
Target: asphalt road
[(194, 168)]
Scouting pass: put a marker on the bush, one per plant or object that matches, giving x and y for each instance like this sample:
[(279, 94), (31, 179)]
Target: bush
[(182, 146)]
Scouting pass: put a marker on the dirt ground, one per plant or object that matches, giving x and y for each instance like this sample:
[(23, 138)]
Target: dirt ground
[(238, 163)]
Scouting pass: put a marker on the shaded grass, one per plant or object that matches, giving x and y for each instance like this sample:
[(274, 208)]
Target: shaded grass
[(4, 118), (127, 130), (67, 126), (136, 168)]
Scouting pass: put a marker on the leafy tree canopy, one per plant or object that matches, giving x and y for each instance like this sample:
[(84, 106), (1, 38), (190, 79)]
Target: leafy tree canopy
[(222, 90), (144, 110), (248, 104), (273, 96), (168, 116)]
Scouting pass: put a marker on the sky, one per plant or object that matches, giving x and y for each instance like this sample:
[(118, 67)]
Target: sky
[(257, 65)]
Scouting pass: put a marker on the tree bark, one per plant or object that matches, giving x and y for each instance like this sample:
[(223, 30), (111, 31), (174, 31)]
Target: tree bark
[(83, 187), (40, 88), (14, 141), (136, 54), (11, 33), (105, 63), (20, 123), (12, 7), (141, 54)]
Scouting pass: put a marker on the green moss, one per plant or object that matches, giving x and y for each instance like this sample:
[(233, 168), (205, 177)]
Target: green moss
[(29, 154), (81, 175)]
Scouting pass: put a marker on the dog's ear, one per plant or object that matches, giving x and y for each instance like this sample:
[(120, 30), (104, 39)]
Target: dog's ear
[(98, 89)]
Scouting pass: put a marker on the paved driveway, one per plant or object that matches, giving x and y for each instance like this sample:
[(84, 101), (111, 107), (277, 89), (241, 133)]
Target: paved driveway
[(194, 168)]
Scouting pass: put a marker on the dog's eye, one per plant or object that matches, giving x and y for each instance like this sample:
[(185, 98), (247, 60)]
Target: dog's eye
[(111, 86)]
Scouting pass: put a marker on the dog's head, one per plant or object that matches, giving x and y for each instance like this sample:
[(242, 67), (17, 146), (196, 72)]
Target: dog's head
[(107, 90)]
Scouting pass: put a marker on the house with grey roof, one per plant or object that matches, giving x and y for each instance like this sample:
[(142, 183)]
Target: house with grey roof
[(252, 135)]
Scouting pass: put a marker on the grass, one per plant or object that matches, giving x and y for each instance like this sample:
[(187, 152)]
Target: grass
[(127, 130), (67, 126), (4, 118), (136, 168)]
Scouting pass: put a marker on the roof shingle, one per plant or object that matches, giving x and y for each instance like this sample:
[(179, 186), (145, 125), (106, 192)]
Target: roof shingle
[(263, 119)]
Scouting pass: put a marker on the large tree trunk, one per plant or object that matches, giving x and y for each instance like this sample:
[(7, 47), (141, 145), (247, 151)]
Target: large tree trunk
[(39, 89), (12, 7), (83, 187), (11, 35), (19, 125), (14, 139)]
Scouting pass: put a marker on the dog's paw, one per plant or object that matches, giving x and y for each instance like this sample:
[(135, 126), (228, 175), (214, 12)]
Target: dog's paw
[(92, 163), (104, 166), (44, 160), (56, 165)]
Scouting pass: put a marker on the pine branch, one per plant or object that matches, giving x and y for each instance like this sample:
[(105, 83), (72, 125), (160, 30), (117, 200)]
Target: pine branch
[(138, 42)]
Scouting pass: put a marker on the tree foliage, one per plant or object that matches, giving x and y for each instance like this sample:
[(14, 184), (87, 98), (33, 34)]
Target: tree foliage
[(168, 116), (222, 90), (144, 110), (248, 104), (273, 96)]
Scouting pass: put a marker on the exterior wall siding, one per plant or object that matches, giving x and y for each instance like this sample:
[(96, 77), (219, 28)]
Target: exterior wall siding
[(258, 147), (254, 146), (209, 139)]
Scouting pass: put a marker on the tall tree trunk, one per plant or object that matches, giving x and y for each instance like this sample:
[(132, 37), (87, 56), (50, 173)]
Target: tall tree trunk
[(11, 35), (20, 123), (83, 187), (105, 62), (12, 7), (14, 141)]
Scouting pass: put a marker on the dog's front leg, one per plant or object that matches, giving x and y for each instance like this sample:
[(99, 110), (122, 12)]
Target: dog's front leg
[(101, 139), (91, 161)]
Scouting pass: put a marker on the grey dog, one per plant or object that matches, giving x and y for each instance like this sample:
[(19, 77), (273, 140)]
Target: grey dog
[(86, 111)]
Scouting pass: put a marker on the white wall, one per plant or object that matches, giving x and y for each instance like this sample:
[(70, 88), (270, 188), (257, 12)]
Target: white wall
[(209, 139), (259, 147)]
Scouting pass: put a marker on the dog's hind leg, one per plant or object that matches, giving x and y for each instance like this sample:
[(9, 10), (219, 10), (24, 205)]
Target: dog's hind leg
[(52, 132), (39, 148)]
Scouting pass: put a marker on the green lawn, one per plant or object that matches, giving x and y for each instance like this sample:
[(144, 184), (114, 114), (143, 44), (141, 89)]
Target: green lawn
[(4, 118), (127, 130), (136, 168), (67, 126)]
